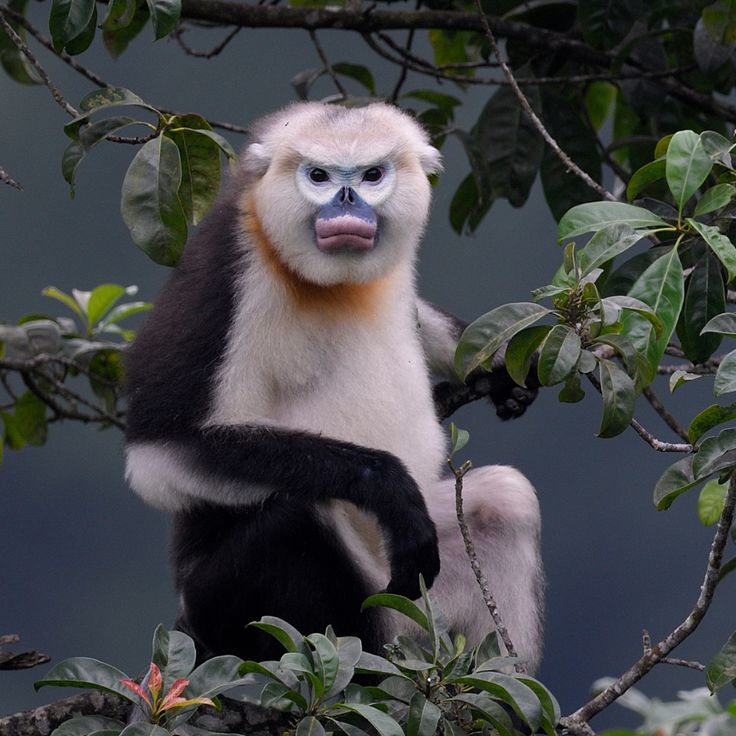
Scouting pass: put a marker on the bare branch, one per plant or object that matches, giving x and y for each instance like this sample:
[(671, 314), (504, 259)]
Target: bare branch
[(19, 660), (21, 45), (669, 419), (5, 178), (178, 35), (488, 599), (577, 722), (328, 67)]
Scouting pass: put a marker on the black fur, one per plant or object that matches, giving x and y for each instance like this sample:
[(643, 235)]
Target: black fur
[(236, 564)]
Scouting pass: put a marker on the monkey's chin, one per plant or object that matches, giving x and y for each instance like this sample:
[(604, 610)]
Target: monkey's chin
[(344, 243)]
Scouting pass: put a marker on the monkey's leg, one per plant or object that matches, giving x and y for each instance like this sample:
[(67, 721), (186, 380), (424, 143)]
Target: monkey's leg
[(274, 559), (502, 513)]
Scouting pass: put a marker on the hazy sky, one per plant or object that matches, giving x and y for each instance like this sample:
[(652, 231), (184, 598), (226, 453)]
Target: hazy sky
[(84, 568)]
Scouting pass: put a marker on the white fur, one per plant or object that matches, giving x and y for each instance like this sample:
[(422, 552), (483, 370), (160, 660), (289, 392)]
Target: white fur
[(437, 333)]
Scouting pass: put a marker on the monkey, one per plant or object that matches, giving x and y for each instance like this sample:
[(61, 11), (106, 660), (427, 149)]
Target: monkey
[(280, 402)]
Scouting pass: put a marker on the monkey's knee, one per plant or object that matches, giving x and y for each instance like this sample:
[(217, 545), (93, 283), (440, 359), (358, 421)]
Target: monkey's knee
[(499, 496)]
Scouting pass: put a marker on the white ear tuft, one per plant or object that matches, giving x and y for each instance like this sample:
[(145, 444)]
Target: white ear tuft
[(257, 158), (430, 159)]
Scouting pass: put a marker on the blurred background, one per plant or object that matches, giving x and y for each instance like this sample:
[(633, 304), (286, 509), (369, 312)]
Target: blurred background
[(83, 562)]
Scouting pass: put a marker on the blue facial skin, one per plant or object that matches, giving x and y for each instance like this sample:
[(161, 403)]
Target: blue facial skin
[(347, 202)]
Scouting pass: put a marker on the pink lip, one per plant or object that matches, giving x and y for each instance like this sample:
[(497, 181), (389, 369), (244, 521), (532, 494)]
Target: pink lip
[(344, 233)]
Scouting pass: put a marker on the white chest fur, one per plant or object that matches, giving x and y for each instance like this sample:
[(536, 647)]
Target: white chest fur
[(358, 377)]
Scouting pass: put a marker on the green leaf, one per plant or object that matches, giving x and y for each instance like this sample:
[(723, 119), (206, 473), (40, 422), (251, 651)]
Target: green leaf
[(711, 501), (164, 15), (101, 301), (521, 349), (398, 603), (722, 668), (372, 664), (150, 203), (688, 166), (120, 13), (174, 653), (599, 100), (723, 324), (444, 102), (643, 177), (326, 660), (550, 706), (485, 336), (83, 41), (717, 147), (725, 381), (715, 454), (605, 24), (123, 311), (89, 673), (572, 391), (72, 157), (458, 438), (68, 19), (709, 418), (661, 287), (358, 72), (714, 35), (117, 40), (144, 729), (677, 479), (558, 356), (488, 710), (30, 419), (634, 361), (509, 690), (15, 62), (309, 726), (606, 244), (719, 244), (384, 724), (423, 717), (13, 437), (101, 99), (214, 676), (289, 638), (705, 298), (715, 198), (200, 167), (88, 726), (594, 216), (619, 398)]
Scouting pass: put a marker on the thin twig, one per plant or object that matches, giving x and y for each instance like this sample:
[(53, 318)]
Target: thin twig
[(404, 69), (669, 419), (5, 178), (21, 45), (178, 35), (577, 722), (328, 67), (570, 165), (485, 590)]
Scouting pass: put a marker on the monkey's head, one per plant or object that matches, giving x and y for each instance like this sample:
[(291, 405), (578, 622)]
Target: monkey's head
[(341, 193)]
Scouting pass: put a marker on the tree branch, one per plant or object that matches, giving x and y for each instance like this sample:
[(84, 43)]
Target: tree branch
[(577, 722), (5, 178)]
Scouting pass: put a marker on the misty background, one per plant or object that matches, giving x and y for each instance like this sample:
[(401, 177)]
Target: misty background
[(83, 562)]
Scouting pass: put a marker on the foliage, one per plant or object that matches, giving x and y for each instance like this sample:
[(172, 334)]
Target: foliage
[(168, 698), (50, 351)]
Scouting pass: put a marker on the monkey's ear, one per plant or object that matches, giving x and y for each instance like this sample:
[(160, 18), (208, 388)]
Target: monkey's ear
[(430, 159), (257, 158)]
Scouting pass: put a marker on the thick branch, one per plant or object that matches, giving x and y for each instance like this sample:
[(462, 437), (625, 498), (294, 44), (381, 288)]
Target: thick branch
[(578, 721)]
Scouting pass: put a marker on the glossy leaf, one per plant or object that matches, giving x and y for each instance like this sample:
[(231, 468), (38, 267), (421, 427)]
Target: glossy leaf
[(200, 168), (13, 60), (606, 244), (705, 298), (619, 398), (558, 356), (458, 438), (101, 301), (594, 216), (521, 349), (150, 203), (715, 198), (400, 604), (605, 24), (711, 501), (688, 166), (326, 660), (675, 480), (726, 375), (717, 147), (117, 40), (164, 15), (423, 717), (174, 653), (85, 672), (144, 729), (710, 417), (358, 72), (719, 244), (89, 726), (715, 454), (68, 19), (634, 361), (374, 665), (30, 419), (572, 391), (309, 726), (488, 710), (661, 287), (723, 324), (383, 723), (714, 35), (483, 337), (119, 14), (599, 100), (101, 99), (643, 177), (721, 670)]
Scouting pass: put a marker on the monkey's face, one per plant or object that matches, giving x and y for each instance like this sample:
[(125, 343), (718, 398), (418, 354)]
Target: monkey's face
[(344, 195)]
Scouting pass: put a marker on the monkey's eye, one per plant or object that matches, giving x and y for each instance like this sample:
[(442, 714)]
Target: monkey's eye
[(373, 175), (318, 176)]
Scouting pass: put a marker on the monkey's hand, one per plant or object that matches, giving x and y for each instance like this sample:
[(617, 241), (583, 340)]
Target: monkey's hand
[(410, 531)]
